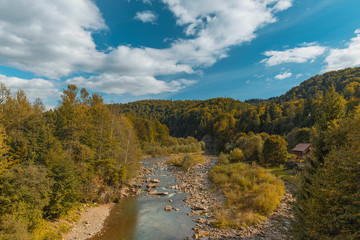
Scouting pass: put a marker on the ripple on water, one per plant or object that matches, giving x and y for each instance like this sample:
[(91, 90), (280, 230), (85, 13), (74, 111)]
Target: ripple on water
[(143, 217)]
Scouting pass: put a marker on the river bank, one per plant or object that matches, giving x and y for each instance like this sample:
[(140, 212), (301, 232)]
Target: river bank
[(202, 200), (92, 219), (205, 198), (91, 222)]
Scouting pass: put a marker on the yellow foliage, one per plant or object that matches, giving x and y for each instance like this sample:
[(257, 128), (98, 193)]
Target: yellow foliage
[(251, 194)]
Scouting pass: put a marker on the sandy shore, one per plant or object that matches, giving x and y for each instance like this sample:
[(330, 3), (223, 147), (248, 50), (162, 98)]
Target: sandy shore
[(91, 222)]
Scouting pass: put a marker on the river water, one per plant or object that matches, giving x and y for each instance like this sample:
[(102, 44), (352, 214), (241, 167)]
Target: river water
[(143, 217)]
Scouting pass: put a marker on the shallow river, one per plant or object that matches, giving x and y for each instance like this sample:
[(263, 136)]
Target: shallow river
[(143, 217)]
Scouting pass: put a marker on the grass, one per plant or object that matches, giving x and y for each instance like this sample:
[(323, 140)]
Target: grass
[(251, 192), (187, 161), (284, 174), (155, 149)]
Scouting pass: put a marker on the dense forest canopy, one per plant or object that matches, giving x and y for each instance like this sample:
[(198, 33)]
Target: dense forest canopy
[(223, 118), (53, 161)]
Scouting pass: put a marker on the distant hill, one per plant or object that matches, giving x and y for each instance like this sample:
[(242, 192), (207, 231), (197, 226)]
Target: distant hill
[(319, 84), (224, 117)]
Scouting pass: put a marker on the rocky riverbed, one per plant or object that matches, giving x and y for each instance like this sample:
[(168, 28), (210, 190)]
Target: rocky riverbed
[(205, 198), (154, 188)]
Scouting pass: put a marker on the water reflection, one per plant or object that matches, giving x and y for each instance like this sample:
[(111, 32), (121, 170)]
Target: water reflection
[(143, 217)]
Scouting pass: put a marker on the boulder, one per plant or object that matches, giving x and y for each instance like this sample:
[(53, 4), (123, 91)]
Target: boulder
[(168, 208), (196, 208), (151, 185), (155, 181), (162, 193)]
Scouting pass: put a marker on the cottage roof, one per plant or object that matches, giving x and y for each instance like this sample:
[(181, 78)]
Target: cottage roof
[(301, 147)]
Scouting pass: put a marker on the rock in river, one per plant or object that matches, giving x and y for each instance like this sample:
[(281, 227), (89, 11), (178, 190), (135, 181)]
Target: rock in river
[(168, 208)]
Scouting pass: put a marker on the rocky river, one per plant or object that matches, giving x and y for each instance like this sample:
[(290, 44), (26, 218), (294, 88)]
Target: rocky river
[(169, 203)]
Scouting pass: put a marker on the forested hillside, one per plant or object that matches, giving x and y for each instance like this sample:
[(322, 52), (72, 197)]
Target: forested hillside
[(323, 110), (223, 118)]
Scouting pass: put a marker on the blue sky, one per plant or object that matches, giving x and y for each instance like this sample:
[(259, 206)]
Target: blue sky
[(128, 50)]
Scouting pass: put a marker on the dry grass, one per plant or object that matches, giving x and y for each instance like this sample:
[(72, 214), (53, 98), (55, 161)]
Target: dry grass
[(187, 161), (251, 192)]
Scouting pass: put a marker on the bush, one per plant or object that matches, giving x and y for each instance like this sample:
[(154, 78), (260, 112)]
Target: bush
[(12, 227), (186, 162), (251, 194), (236, 155), (223, 159)]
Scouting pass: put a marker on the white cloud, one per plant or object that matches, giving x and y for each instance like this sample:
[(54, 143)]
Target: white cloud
[(283, 5), (34, 88), (295, 55), (146, 16), (283, 75), (217, 25), (299, 75), (134, 85), (53, 39), (346, 57), (49, 38)]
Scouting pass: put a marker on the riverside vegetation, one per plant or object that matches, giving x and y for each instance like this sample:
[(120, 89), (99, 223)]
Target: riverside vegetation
[(323, 110), (84, 151), (52, 162)]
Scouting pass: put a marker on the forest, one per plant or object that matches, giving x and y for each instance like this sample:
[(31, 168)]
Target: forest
[(80, 152), (84, 150), (323, 110)]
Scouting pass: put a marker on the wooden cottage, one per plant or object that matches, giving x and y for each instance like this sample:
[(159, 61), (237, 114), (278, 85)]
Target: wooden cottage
[(302, 149)]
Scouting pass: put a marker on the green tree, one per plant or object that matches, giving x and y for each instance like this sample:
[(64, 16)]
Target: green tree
[(25, 192), (275, 150), (328, 208)]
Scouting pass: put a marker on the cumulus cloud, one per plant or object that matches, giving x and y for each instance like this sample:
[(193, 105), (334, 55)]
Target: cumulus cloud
[(146, 16), (135, 85), (215, 26), (346, 57), (283, 75), (53, 39), (283, 5), (296, 55), (34, 88), (49, 38)]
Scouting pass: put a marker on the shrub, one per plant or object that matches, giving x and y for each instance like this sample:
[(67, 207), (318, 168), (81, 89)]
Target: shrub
[(223, 159), (186, 162), (236, 155), (251, 194)]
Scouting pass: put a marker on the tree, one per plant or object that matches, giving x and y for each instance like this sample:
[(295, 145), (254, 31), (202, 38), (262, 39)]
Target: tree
[(275, 151), (329, 208), (25, 192)]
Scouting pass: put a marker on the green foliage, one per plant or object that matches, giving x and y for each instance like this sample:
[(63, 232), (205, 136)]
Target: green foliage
[(224, 118), (26, 191), (14, 228), (285, 174), (236, 155), (303, 135), (186, 162), (328, 200), (251, 194), (176, 146), (65, 190), (223, 159), (50, 162), (251, 145), (275, 151)]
